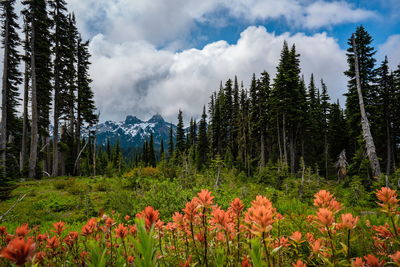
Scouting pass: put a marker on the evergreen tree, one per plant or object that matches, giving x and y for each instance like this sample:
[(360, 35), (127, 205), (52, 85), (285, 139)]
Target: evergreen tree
[(235, 119), (287, 105), (202, 145), (40, 47), (85, 107), (11, 81), (366, 66), (151, 153), (384, 114), (180, 135), (171, 142), (263, 110), (59, 39), (162, 149)]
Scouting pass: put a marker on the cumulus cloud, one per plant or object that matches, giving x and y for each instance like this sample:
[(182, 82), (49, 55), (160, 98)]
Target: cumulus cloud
[(163, 22), (322, 13), (136, 78), (391, 49)]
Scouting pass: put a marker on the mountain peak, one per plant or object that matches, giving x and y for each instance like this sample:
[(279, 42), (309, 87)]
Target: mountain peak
[(132, 120), (156, 119)]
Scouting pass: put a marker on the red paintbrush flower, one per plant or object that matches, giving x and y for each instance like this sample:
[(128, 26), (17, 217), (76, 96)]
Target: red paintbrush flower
[(58, 227), (53, 243), (150, 216), (121, 231), (19, 251), (23, 230)]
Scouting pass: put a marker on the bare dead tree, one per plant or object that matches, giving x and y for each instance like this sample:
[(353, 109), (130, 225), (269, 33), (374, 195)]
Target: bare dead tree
[(368, 139)]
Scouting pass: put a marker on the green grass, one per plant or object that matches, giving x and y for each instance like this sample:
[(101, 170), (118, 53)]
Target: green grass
[(74, 200)]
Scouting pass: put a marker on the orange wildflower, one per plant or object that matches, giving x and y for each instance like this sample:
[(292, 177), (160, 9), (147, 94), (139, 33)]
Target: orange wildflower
[(87, 230), (296, 236), (237, 206), (387, 195), (121, 231), (389, 200), (316, 245), (382, 231), (373, 261), (58, 227), (222, 219), (348, 221), (109, 222), (396, 258), (131, 259), (281, 242), (132, 229), (324, 199), (127, 217), (299, 263), (261, 201), (150, 216), (71, 238), (325, 217), (246, 262), (190, 211), (204, 199), (53, 243), (261, 219), (358, 262), (19, 251), (22, 230)]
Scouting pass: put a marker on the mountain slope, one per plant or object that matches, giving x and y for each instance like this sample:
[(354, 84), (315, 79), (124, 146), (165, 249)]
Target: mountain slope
[(133, 132)]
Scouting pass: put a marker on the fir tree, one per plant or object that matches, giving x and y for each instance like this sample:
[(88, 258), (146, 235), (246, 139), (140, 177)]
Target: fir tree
[(40, 47), (366, 66), (11, 81), (180, 135), (59, 39), (171, 142), (202, 145), (151, 153)]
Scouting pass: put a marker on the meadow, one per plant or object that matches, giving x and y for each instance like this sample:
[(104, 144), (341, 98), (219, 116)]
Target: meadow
[(145, 218)]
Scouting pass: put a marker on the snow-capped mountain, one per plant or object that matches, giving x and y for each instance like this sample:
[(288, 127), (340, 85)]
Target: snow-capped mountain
[(133, 132)]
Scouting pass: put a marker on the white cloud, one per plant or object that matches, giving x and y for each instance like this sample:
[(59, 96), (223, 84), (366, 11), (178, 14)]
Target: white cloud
[(391, 49), (135, 78), (163, 22), (321, 13)]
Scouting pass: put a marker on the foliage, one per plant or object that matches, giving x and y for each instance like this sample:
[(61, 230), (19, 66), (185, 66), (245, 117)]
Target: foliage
[(205, 234)]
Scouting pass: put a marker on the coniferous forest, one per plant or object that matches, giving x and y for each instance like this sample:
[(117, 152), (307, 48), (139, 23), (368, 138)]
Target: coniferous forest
[(276, 173)]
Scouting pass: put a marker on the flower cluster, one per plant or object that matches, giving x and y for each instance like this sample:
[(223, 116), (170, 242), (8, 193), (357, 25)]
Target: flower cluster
[(204, 234)]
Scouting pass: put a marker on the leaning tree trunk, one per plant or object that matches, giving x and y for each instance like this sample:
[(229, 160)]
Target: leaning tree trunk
[(3, 133), (34, 128), (369, 141)]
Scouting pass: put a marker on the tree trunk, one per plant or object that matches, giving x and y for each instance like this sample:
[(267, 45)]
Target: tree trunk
[(34, 128), (77, 169), (388, 148), (369, 141), (25, 106), (262, 154), (3, 133), (55, 138), (279, 141), (285, 155), (326, 147)]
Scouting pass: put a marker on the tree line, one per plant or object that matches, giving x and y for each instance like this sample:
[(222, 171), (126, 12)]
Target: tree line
[(284, 120), (47, 57)]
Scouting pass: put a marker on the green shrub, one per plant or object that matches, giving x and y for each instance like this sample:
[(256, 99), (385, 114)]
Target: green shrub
[(62, 184)]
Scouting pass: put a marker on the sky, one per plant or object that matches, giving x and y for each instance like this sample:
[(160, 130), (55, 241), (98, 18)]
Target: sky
[(158, 56)]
